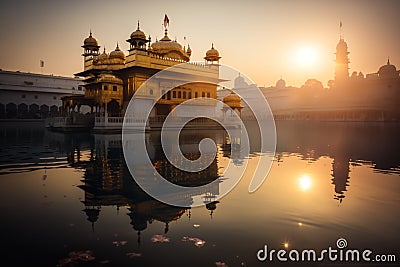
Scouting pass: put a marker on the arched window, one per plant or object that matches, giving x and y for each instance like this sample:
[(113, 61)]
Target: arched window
[(44, 111), (23, 111), (34, 111), (11, 111), (54, 110)]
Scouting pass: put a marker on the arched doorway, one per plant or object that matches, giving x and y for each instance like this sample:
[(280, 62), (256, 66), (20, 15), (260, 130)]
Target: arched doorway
[(113, 109), (44, 111), (34, 111), (54, 111)]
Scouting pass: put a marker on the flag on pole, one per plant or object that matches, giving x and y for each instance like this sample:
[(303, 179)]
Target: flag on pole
[(166, 21), (41, 63)]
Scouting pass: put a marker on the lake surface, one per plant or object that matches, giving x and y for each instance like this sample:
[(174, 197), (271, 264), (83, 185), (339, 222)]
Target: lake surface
[(69, 199)]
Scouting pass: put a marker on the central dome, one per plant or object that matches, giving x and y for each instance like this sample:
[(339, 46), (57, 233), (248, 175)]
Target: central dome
[(164, 45), (168, 48)]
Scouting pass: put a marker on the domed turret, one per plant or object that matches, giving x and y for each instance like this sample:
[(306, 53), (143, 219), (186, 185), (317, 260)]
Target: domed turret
[(90, 41), (90, 47), (92, 214), (189, 51), (137, 39), (342, 61), (138, 34), (387, 70), (233, 101), (212, 54)]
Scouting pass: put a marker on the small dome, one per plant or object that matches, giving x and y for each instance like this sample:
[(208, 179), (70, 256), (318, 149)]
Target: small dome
[(189, 51), (239, 82), (138, 34), (212, 54), (387, 70), (233, 100), (109, 78), (90, 41), (103, 56), (117, 53)]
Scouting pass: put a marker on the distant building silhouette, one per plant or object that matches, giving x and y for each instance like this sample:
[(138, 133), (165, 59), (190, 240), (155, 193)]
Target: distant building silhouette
[(374, 97)]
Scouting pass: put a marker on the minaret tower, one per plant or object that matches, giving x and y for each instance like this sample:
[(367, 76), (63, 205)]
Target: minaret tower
[(90, 47), (137, 40), (342, 59)]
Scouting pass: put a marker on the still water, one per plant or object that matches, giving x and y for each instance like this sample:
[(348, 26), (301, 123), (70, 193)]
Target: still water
[(69, 199)]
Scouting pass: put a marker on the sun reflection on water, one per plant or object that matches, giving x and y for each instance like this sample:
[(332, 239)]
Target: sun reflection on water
[(305, 182)]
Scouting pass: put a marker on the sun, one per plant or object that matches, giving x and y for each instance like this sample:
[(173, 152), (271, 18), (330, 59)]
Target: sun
[(307, 56)]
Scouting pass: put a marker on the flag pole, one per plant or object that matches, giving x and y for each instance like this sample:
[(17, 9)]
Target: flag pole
[(41, 66)]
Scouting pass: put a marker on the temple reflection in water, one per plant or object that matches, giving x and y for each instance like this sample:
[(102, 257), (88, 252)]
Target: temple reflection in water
[(107, 181)]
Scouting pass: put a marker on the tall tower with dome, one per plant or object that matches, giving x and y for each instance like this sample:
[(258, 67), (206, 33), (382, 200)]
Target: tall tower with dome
[(342, 61)]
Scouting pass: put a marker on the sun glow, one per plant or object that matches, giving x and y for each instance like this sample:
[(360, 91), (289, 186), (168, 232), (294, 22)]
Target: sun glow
[(306, 57), (305, 182)]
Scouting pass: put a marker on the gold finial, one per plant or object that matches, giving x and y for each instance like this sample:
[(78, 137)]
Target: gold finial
[(212, 45), (388, 61), (90, 35), (138, 25)]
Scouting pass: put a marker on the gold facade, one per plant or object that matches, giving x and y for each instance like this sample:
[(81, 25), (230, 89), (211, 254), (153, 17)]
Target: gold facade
[(113, 78)]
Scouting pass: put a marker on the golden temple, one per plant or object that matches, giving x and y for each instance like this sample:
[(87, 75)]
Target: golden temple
[(111, 79)]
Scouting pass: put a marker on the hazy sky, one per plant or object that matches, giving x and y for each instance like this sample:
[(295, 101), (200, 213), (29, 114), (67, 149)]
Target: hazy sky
[(263, 39)]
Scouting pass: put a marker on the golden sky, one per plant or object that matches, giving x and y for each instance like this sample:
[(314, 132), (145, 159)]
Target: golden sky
[(263, 39)]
